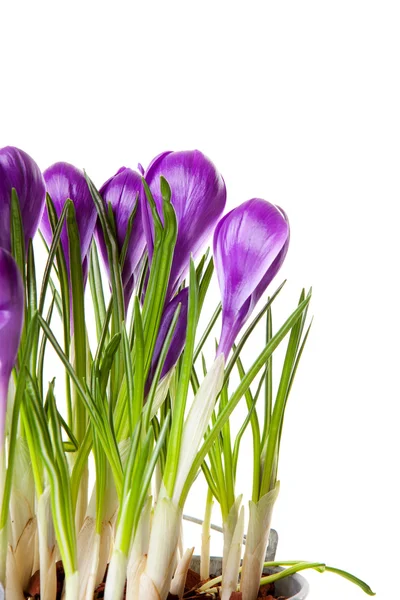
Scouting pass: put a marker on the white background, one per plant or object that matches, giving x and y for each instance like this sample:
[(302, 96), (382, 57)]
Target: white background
[(297, 102)]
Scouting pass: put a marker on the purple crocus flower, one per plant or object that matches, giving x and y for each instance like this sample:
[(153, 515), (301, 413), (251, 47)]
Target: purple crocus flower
[(178, 337), (63, 182), (198, 195), (250, 245), (122, 192), (18, 170), (11, 319)]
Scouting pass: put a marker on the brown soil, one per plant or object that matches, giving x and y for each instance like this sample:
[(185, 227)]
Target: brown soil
[(192, 583)]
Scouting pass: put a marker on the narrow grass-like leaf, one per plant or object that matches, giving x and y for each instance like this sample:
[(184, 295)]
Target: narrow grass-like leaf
[(103, 372), (268, 383), (243, 428), (19, 393), (127, 238), (237, 395), (160, 364), (183, 386), (249, 330), (129, 379), (274, 433), (255, 429), (148, 473), (207, 332), (99, 419), (17, 234), (164, 244), (227, 452), (52, 254), (320, 567), (139, 381), (65, 295), (78, 311), (205, 282), (42, 349), (112, 250), (97, 292), (79, 464)]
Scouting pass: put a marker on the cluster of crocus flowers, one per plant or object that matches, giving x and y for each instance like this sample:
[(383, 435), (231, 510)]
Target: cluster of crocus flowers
[(136, 397)]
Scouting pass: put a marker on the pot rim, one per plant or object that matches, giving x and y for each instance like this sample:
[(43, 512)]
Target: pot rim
[(299, 579)]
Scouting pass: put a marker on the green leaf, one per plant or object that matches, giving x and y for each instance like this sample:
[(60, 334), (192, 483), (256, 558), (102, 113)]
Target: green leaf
[(64, 286), (240, 391), (159, 367), (55, 465), (171, 467), (42, 349), (19, 393), (255, 429), (274, 434), (139, 381), (129, 379), (207, 332), (78, 311), (17, 234), (243, 428), (103, 372), (97, 292), (95, 409), (296, 566), (80, 461), (249, 330), (127, 238), (32, 301), (52, 251), (268, 383), (112, 251), (164, 244), (205, 282)]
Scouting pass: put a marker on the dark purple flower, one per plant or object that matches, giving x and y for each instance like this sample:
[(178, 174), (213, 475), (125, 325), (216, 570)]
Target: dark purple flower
[(198, 195), (250, 245), (11, 319), (63, 182), (178, 337), (122, 192), (18, 170)]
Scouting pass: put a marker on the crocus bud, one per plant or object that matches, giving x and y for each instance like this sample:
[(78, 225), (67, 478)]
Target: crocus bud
[(250, 245), (66, 182), (178, 337), (18, 170), (198, 195), (122, 192), (11, 319)]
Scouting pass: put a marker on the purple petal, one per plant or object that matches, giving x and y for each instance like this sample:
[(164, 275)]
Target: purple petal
[(198, 196), (250, 244), (18, 170), (11, 319), (178, 337), (63, 182), (122, 192)]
